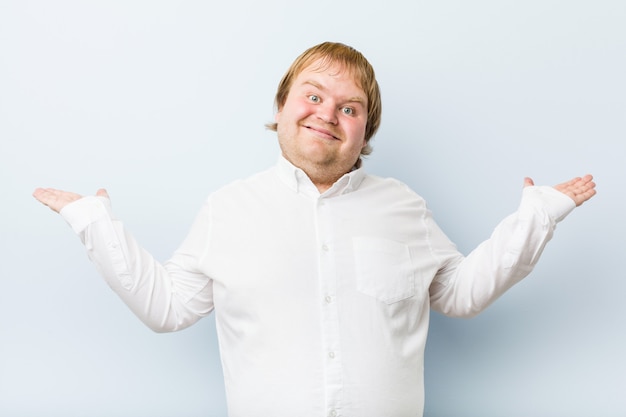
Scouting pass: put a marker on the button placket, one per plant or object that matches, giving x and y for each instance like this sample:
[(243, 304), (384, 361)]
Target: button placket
[(329, 313)]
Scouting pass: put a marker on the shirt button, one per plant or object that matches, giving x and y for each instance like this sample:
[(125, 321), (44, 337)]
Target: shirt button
[(328, 299), (325, 247), (333, 413), (331, 355)]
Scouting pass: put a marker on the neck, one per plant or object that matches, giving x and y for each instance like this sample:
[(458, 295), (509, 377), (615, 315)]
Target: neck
[(324, 177)]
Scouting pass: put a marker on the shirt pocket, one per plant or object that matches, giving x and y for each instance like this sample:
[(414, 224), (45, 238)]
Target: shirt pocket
[(383, 269)]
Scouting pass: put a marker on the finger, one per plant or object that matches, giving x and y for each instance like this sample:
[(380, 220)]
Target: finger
[(579, 189), (568, 184), (528, 182), (584, 181), (46, 196), (580, 185), (575, 184), (38, 192), (102, 193), (55, 199)]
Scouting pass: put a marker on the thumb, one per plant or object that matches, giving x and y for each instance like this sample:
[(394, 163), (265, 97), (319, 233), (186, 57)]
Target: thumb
[(528, 182), (102, 193)]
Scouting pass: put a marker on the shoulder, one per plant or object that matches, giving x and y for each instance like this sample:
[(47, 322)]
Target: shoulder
[(388, 185), (390, 192)]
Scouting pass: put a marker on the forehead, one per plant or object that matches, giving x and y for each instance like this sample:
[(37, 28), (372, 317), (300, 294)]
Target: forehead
[(331, 68), (321, 72)]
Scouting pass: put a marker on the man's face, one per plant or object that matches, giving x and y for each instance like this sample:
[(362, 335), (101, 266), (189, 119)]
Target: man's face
[(321, 126)]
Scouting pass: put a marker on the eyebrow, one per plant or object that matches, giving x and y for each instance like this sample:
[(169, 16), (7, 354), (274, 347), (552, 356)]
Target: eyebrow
[(354, 99)]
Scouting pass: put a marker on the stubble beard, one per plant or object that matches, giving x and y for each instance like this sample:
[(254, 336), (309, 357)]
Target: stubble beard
[(323, 166)]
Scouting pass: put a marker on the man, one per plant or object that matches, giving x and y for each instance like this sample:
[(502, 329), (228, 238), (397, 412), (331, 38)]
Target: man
[(321, 276)]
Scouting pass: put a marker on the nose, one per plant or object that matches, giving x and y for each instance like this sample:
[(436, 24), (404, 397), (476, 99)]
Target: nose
[(328, 113)]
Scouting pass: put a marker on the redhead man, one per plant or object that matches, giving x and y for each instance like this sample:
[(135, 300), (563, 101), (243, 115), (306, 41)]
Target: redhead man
[(321, 275)]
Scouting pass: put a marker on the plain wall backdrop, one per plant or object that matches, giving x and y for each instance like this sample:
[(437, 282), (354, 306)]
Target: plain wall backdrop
[(162, 102)]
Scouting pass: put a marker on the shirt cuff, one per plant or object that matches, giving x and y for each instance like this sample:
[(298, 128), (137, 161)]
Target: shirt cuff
[(85, 211), (556, 204)]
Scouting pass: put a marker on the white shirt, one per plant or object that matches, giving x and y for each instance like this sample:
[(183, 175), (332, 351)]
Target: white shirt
[(322, 301)]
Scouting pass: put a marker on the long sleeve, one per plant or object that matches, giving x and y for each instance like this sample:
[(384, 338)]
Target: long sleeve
[(166, 297), (465, 286)]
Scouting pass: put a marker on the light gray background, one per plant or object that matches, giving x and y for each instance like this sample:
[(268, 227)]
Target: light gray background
[(164, 101)]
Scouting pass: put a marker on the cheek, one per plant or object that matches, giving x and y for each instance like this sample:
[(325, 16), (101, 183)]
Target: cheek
[(358, 131), (298, 109), (287, 114)]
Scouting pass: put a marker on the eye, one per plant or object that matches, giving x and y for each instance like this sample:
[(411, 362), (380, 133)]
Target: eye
[(314, 98), (349, 111)]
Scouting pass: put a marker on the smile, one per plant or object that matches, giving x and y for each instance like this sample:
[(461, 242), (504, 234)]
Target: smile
[(322, 132)]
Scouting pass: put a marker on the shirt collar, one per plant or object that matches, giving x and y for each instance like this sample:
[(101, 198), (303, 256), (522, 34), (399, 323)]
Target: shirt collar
[(296, 179)]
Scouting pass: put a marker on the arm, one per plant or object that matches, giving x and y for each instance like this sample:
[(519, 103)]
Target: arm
[(465, 286), (166, 297)]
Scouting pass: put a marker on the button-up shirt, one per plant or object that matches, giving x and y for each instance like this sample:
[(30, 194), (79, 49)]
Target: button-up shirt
[(321, 300)]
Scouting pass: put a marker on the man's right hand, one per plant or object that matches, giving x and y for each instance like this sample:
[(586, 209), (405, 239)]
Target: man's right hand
[(57, 199)]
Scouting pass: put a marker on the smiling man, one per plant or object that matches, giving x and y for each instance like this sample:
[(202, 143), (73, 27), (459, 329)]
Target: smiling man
[(321, 276), (321, 123)]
